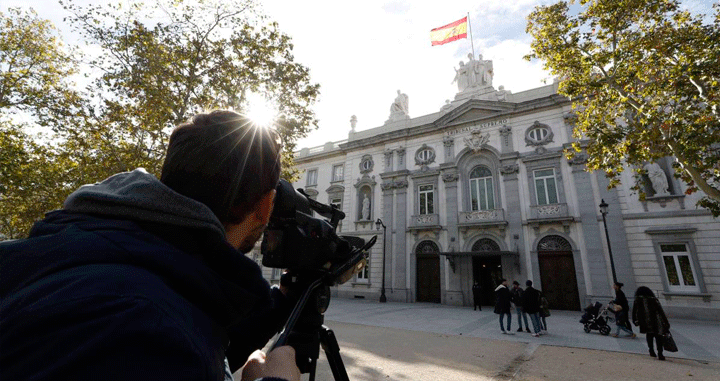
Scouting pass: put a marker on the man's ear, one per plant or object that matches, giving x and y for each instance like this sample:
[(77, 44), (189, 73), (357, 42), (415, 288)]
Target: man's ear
[(265, 207)]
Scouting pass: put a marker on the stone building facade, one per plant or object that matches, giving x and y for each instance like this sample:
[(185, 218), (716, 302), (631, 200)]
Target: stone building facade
[(481, 190)]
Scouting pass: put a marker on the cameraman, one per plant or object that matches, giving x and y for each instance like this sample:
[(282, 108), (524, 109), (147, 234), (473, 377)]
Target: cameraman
[(145, 279)]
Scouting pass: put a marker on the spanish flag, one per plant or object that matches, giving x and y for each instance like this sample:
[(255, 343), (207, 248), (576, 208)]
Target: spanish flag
[(450, 32)]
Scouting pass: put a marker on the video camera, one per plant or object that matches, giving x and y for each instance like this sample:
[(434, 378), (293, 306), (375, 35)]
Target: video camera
[(296, 240)]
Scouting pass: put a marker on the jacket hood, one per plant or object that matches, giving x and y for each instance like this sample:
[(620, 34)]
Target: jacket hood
[(133, 219), (140, 196)]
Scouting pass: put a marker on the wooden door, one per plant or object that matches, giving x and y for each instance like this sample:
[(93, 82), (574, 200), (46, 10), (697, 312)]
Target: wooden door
[(428, 278), (558, 280)]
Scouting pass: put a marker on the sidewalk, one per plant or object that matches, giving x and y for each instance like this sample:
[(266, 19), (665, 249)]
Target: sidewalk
[(696, 340)]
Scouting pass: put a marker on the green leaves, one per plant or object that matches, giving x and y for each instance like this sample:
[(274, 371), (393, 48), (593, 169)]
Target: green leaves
[(644, 79), (158, 65)]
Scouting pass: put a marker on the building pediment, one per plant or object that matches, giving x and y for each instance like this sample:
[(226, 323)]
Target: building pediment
[(473, 110)]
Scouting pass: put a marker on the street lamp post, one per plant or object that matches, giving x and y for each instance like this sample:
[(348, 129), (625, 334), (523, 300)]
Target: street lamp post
[(604, 211), (380, 224)]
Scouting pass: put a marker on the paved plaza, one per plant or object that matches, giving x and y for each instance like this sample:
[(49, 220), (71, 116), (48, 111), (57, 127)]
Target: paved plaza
[(696, 340), (419, 341)]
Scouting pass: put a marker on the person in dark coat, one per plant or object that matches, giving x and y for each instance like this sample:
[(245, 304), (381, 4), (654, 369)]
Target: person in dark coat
[(477, 297), (502, 306), (648, 314), (531, 305), (544, 313), (140, 278), (621, 316), (517, 296)]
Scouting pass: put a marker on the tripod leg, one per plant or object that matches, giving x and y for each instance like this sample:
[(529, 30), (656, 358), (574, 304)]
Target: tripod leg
[(332, 352), (313, 368)]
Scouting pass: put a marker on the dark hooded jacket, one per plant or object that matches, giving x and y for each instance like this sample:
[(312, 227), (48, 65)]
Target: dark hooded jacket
[(648, 314), (502, 304), (531, 300), (130, 280)]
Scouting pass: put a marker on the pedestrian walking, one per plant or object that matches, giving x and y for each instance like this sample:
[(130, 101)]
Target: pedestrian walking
[(648, 314), (517, 295), (621, 308), (476, 290), (531, 305), (544, 313), (502, 305)]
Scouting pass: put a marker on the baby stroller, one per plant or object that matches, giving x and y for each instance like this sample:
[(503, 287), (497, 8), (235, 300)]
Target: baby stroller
[(597, 319)]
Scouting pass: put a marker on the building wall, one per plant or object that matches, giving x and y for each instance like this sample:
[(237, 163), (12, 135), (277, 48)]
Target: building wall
[(636, 229)]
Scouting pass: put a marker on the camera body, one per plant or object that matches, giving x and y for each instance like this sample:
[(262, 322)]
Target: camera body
[(296, 240)]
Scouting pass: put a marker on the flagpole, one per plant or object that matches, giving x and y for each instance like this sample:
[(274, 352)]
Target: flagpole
[(471, 38)]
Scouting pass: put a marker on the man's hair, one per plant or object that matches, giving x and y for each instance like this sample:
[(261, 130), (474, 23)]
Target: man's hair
[(516, 283), (503, 280), (528, 283), (224, 161)]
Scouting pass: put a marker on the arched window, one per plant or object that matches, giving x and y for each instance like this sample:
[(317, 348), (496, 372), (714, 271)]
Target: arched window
[(482, 196), (427, 247), (554, 243), (485, 244)]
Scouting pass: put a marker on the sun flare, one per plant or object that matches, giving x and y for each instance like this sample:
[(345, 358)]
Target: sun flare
[(260, 110)]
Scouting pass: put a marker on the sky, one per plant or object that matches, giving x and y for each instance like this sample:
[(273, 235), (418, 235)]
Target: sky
[(362, 52)]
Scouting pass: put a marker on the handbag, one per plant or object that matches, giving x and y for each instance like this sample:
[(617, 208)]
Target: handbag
[(669, 343)]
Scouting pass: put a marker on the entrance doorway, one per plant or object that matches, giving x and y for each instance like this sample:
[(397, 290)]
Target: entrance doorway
[(557, 273), (428, 272), (487, 271)]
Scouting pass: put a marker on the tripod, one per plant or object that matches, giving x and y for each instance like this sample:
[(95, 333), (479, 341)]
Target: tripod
[(305, 331)]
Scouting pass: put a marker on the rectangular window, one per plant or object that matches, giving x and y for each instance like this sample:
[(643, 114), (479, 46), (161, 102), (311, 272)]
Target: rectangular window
[(311, 177), (482, 194), (679, 269), (338, 172), (427, 199), (545, 187)]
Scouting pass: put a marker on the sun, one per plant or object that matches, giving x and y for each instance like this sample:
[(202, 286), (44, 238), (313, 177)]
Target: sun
[(260, 110)]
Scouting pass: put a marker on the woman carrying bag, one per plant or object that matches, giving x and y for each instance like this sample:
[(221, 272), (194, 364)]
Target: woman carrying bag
[(648, 314), (621, 308)]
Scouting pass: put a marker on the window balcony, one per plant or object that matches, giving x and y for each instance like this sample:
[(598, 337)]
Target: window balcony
[(424, 222), (550, 213), (482, 218)]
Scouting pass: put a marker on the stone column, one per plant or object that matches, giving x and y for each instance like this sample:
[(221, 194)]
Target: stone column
[(399, 259), (513, 216), (388, 160), (400, 158), (506, 141), (454, 293), (593, 232), (618, 236), (387, 195), (449, 144)]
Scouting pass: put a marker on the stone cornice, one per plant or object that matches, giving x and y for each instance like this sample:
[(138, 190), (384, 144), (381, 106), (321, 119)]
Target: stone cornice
[(534, 105)]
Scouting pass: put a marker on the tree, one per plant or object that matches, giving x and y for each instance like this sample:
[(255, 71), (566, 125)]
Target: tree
[(32, 181), (158, 65), (165, 62), (644, 80), (34, 86), (34, 68)]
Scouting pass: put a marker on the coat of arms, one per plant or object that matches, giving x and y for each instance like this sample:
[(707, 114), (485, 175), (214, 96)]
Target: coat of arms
[(476, 140)]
